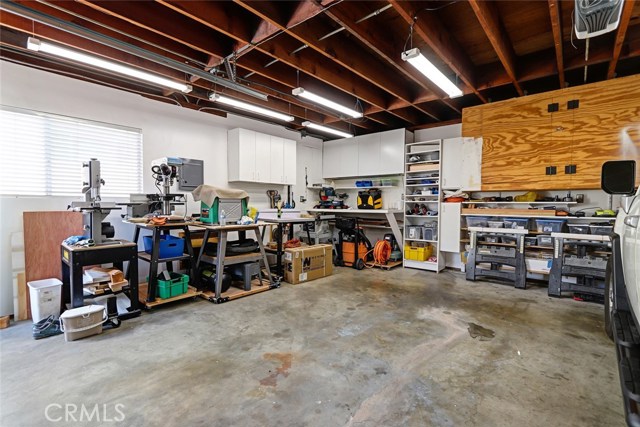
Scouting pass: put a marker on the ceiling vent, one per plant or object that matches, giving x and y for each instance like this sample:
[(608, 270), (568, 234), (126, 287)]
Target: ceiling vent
[(595, 17)]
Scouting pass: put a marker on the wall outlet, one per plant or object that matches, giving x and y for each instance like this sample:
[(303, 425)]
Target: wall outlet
[(303, 199)]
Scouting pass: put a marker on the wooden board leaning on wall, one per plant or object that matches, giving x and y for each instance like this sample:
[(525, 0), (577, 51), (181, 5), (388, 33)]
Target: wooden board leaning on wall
[(522, 138)]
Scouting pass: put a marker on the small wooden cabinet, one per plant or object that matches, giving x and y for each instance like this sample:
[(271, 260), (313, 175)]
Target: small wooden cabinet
[(258, 157)]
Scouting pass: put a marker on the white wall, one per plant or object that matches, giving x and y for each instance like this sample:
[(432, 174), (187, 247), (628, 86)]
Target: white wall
[(168, 130)]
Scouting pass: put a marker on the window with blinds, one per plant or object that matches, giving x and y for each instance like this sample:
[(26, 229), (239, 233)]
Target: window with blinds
[(42, 154)]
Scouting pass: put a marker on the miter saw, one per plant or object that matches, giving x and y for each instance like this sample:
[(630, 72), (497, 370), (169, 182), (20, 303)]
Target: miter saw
[(93, 208)]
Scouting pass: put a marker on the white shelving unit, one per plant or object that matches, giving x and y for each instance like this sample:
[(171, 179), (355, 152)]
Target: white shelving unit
[(422, 188)]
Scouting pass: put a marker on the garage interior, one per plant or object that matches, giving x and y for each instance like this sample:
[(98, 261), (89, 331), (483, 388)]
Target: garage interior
[(402, 200)]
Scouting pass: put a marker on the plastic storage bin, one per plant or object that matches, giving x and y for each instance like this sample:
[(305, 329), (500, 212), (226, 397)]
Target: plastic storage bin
[(530, 241), (170, 246), (82, 321), (177, 285), (46, 298), (414, 232), (490, 239), (521, 223), (477, 221), (495, 224), (429, 233), (578, 228), (601, 229), (418, 253), (550, 225), (545, 241)]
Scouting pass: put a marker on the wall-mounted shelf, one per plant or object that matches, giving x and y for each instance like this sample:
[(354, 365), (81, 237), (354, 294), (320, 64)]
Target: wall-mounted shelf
[(520, 203)]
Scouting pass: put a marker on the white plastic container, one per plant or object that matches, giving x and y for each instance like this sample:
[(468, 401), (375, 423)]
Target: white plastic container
[(45, 298), (82, 322)]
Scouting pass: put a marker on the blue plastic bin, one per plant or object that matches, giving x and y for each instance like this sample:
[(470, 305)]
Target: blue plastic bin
[(170, 246), (550, 225)]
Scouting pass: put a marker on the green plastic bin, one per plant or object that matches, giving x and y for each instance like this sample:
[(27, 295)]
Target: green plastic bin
[(177, 285)]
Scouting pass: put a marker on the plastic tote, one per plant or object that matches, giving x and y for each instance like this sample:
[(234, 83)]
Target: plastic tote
[(46, 297), (82, 321)]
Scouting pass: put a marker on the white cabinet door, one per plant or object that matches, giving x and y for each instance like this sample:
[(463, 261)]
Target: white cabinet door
[(368, 154), (392, 152), (290, 161), (331, 153), (277, 161), (451, 160), (246, 155), (462, 163), (348, 158), (262, 158), (450, 227)]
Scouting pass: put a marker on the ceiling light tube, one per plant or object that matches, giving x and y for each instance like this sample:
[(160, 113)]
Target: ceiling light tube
[(40, 46), (326, 102), (250, 107), (327, 130), (422, 64)]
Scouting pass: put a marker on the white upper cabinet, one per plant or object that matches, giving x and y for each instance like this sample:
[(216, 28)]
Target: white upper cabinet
[(289, 162), (392, 151), (367, 155), (331, 159), (461, 164), (277, 160), (258, 157)]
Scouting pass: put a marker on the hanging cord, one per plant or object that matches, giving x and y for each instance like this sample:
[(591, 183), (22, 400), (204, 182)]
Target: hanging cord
[(381, 254)]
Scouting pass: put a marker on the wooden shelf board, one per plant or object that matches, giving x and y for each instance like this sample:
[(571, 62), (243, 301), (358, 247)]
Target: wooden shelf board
[(520, 203), (142, 296), (147, 257), (235, 293)]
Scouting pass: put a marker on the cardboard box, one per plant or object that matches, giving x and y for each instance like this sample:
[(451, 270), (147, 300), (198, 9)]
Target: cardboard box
[(307, 263)]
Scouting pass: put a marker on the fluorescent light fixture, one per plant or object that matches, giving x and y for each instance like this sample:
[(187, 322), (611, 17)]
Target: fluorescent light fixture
[(39, 46), (327, 130), (422, 64), (326, 102), (250, 107)]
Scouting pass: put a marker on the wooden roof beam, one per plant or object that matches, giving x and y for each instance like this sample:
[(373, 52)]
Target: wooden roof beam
[(384, 47), (217, 19), (555, 13), (489, 18), (434, 34), (620, 35), (345, 54)]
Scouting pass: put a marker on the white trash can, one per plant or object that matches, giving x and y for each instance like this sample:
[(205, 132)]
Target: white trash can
[(46, 297)]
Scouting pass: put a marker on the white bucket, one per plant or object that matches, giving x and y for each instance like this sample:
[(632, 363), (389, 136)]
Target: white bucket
[(45, 298)]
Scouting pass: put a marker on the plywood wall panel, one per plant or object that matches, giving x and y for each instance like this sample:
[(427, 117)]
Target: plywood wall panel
[(43, 234), (521, 137)]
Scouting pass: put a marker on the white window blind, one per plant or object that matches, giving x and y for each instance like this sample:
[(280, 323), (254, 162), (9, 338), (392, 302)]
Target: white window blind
[(42, 154)]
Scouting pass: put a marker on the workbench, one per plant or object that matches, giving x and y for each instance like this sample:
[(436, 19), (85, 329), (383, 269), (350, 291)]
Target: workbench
[(222, 259), (114, 252), (154, 259), (281, 222), (590, 272), (389, 214), (497, 254)]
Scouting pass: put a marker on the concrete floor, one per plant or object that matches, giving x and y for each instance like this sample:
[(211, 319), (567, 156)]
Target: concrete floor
[(367, 348)]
